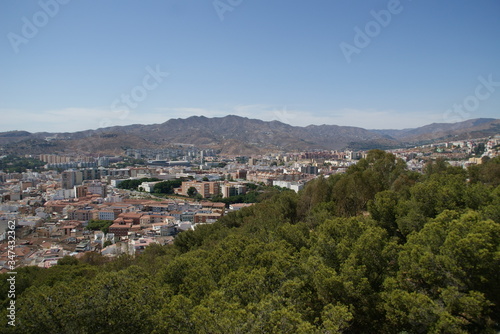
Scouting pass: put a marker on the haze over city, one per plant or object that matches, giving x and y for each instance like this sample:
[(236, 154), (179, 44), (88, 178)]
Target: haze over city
[(70, 66)]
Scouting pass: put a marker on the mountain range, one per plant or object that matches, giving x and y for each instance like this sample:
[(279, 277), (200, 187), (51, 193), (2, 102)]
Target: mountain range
[(236, 135)]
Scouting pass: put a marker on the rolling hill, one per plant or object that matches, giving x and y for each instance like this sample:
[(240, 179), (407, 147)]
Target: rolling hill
[(238, 135)]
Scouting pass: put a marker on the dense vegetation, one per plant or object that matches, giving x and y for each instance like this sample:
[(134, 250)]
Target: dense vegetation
[(16, 164), (129, 162), (163, 187), (99, 225), (167, 187), (255, 193), (379, 249), (133, 184)]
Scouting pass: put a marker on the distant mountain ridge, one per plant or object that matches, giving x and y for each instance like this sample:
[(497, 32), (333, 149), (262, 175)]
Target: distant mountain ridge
[(239, 135), (435, 130)]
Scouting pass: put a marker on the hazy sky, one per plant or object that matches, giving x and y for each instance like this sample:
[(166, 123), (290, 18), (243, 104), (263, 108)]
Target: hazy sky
[(71, 65)]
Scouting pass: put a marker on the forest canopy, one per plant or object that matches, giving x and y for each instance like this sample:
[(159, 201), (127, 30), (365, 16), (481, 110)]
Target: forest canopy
[(379, 249)]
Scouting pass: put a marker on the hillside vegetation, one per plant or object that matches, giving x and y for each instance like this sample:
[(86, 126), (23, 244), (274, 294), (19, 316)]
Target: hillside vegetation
[(378, 249)]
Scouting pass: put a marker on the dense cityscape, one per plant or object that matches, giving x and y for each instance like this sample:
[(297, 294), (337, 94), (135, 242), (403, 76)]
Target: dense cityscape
[(249, 167), (281, 242), (70, 205)]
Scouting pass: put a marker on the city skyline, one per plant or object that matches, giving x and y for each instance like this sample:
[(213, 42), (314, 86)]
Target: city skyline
[(71, 66)]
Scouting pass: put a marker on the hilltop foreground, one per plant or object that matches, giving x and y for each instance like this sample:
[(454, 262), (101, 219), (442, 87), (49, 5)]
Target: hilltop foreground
[(378, 249)]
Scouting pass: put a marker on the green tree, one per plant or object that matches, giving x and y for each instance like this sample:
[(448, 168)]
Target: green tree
[(129, 184), (68, 260), (492, 210), (167, 187), (375, 173), (487, 172), (336, 318), (110, 302), (16, 164), (102, 225), (452, 262), (383, 209), (132, 184), (191, 192), (317, 191), (435, 167), (175, 317)]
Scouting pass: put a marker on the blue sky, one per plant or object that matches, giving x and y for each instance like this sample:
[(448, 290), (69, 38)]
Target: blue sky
[(69, 65)]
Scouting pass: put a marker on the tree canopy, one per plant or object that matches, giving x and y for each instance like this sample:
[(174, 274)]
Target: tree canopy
[(379, 249)]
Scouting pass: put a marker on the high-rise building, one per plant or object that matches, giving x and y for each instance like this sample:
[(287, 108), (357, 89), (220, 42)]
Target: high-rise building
[(71, 178), (232, 189), (68, 179)]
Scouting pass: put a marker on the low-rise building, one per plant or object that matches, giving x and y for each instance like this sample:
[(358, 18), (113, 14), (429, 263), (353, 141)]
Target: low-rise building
[(201, 218), (120, 229)]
